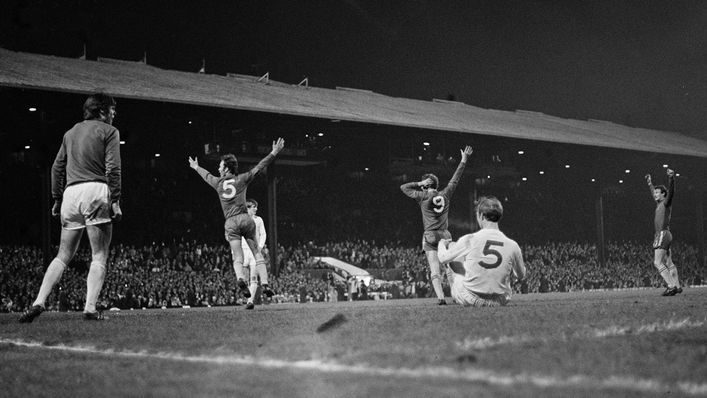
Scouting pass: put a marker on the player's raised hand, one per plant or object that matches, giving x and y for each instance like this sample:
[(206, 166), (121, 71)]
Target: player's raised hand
[(648, 179), (670, 172), (56, 208), (466, 152), (193, 162), (277, 146)]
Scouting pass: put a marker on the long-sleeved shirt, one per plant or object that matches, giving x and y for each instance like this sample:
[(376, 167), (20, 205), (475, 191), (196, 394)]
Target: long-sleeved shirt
[(434, 204), (232, 189), (90, 151), (489, 258), (663, 209)]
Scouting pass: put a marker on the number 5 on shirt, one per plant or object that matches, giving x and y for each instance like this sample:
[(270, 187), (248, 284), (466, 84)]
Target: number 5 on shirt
[(489, 251), (229, 191)]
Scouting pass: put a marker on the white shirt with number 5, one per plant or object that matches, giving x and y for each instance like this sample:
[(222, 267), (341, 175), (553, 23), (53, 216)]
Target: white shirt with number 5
[(489, 259)]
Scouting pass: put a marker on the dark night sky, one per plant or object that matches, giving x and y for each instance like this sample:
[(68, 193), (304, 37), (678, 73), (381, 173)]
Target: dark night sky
[(636, 63)]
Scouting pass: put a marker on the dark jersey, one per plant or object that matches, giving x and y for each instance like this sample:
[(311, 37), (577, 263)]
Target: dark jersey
[(663, 209), (90, 151), (232, 189), (434, 204)]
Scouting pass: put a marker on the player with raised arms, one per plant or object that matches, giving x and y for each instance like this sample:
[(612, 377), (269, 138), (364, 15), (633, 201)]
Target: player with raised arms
[(86, 185), (434, 205), (231, 189), (482, 264), (662, 258)]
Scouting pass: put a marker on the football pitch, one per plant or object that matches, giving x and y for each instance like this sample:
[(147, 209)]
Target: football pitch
[(631, 343)]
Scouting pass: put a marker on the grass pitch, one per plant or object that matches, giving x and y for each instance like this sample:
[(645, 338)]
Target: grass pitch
[(584, 344)]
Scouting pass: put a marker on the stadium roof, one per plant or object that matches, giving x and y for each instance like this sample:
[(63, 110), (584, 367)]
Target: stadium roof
[(137, 80)]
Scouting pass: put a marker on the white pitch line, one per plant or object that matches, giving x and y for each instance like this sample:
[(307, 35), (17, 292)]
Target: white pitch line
[(437, 372), (485, 343)]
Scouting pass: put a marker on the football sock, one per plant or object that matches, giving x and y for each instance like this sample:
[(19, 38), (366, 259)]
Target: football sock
[(51, 277), (238, 268), (436, 278), (94, 283), (437, 285), (262, 271), (666, 275), (253, 286), (674, 274)]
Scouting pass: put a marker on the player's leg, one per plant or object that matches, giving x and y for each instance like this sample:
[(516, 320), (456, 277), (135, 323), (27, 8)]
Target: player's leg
[(233, 237), (68, 243), (661, 246), (262, 271), (247, 272), (673, 272), (665, 244), (467, 298), (253, 282), (237, 253), (237, 258), (249, 266), (239, 227), (99, 235), (660, 263), (460, 294), (435, 273), (430, 239), (666, 239), (73, 223)]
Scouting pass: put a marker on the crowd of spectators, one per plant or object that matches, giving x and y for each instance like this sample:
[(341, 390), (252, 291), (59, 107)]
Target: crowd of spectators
[(573, 266), (189, 273)]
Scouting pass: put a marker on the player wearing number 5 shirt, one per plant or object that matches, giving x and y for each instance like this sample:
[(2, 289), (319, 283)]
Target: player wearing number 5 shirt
[(483, 263), (231, 189), (435, 208)]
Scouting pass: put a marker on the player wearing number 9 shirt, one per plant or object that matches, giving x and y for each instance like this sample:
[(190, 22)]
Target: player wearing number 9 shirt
[(435, 207), (489, 260), (231, 189)]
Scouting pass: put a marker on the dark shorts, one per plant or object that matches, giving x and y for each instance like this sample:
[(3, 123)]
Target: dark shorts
[(662, 240), (430, 239), (241, 225)]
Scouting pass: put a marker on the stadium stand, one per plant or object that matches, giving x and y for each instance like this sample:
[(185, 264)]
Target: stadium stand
[(190, 273)]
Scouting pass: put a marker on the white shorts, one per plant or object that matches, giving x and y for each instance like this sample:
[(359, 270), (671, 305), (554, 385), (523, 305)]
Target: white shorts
[(248, 257), (466, 297), (85, 204)]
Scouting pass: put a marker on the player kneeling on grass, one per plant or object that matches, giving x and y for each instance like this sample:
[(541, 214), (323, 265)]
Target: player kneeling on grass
[(481, 265)]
